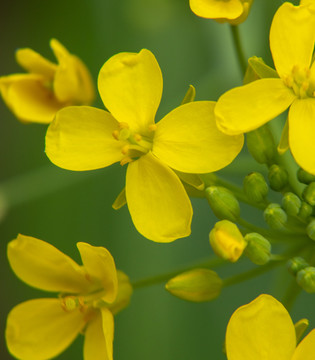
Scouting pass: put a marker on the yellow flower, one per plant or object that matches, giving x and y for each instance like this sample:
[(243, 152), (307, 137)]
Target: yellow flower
[(89, 295), (186, 139), (263, 330), (245, 108), (231, 11), (48, 87)]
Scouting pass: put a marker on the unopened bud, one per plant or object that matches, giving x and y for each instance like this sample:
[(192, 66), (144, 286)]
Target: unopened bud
[(310, 229), (306, 279), (309, 194), (227, 241), (296, 264), (196, 285), (305, 211), (261, 145), (305, 177), (258, 248), (275, 216), (255, 187), (278, 177), (291, 203), (223, 203)]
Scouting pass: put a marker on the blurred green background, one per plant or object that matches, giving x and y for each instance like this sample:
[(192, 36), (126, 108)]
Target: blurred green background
[(63, 208)]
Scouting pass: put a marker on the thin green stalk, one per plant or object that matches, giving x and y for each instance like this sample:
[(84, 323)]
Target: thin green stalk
[(212, 263), (238, 47), (293, 291)]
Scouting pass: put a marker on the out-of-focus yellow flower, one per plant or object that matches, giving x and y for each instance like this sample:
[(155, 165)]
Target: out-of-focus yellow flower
[(48, 87), (231, 11), (186, 139), (264, 330), (246, 108), (89, 295)]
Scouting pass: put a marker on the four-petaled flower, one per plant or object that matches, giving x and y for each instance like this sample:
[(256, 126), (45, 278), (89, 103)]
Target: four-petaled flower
[(48, 87), (186, 139), (231, 11), (89, 295), (263, 330), (245, 108)]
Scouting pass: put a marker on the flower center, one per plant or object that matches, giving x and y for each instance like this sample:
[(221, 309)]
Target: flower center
[(135, 144), (301, 82)]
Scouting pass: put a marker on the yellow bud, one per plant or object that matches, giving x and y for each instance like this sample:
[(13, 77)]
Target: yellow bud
[(196, 285), (227, 241)]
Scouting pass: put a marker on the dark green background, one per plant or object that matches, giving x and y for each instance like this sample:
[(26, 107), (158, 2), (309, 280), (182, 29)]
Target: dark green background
[(63, 207)]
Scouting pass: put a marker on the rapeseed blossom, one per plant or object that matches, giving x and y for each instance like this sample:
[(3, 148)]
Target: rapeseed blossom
[(245, 108), (88, 297), (231, 11), (186, 139), (48, 87), (264, 330)]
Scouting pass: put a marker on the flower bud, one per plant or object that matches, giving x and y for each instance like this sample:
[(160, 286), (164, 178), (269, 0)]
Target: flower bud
[(305, 177), (296, 264), (309, 194), (261, 145), (223, 203), (255, 187), (227, 241), (291, 203), (310, 229), (278, 177), (306, 279), (275, 216), (305, 211), (196, 285), (258, 248)]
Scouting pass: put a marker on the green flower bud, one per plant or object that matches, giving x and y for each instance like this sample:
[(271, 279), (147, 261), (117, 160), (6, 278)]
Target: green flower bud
[(309, 194), (278, 177), (305, 177), (310, 229), (291, 203), (275, 216), (227, 241), (305, 210), (255, 187), (306, 279), (296, 264), (261, 145), (196, 285), (258, 248), (223, 203)]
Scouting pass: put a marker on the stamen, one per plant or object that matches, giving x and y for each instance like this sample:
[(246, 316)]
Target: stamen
[(137, 137), (116, 134), (125, 160), (125, 149), (123, 125), (152, 127)]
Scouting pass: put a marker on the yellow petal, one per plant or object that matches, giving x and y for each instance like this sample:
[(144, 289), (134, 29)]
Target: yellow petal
[(35, 63), (157, 201), (292, 38), (306, 348), (41, 265), (30, 100), (284, 140), (120, 200), (80, 138), (130, 85), (260, 330), (99, 336), (124, 293), (40, 329), (73, 82), (247, 107), (214, 9), (188, 140), (99, 264), (301, 133)]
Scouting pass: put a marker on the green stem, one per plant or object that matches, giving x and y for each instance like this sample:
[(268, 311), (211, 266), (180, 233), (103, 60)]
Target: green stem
[(212, 263), (238, 47), (291, 295)]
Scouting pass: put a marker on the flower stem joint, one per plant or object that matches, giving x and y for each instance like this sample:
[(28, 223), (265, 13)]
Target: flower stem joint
[(227, 241), (197, 285)]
